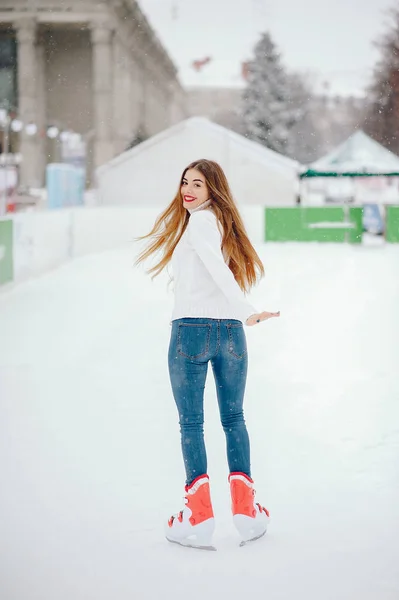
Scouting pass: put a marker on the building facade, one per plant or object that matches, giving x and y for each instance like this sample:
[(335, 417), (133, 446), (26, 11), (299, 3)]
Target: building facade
[(92, 67), (222, 105)]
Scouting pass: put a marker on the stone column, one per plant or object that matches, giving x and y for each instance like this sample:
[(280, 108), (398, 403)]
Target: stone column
[(41, 107), (101, 37), (27, 100), (178, 107), (141, 94), (135, 100), (122, 99), (145, 88)]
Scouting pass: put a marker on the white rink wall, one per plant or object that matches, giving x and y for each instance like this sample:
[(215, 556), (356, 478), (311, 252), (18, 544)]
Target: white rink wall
[(45, 240), (41, 241)]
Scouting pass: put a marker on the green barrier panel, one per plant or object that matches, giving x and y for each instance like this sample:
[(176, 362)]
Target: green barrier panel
[(392, 224), (356, 217), (6, 254), (313, 224)]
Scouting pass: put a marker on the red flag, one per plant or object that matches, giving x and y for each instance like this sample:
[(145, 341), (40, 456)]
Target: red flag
[(199, 64)]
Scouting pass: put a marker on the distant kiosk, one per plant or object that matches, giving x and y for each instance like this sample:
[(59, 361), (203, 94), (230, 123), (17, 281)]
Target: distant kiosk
[(359, 172)]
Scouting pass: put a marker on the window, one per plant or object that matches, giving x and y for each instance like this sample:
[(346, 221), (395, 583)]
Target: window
[(8, 70)]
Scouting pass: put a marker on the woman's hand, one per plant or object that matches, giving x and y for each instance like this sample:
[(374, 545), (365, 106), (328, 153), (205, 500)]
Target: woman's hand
[(263, 316)]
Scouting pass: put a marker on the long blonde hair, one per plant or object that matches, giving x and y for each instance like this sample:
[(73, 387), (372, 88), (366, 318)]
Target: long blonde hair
[(169, 227)]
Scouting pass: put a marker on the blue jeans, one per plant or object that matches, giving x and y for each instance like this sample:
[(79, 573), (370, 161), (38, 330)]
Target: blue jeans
[(194, 343)]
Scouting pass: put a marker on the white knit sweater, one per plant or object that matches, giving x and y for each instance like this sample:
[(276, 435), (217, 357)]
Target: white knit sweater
[(204, 286)]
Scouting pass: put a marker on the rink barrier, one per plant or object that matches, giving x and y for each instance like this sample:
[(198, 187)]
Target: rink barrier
[(314, 224), (32, 243), (392, 224), (6, 251), (35, 242)]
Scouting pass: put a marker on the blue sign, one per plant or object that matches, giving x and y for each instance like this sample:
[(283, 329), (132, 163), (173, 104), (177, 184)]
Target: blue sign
[(373, 220), (65, 185)]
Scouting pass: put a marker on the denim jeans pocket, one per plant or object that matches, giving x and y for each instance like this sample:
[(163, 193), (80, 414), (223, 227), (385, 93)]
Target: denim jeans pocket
[(193, 340), (237, 340)]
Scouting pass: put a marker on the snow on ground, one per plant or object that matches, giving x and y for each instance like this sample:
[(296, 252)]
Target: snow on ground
[(89, 446)]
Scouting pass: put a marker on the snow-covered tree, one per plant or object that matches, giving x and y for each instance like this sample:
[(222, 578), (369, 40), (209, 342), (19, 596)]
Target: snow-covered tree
[(382, 121), (272, 104), (305, 137)]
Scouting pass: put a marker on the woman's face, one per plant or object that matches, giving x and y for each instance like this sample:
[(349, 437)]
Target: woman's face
[(194, 190)]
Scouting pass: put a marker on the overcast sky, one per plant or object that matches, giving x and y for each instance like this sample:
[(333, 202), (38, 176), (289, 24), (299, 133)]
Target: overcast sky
[(330, 39)]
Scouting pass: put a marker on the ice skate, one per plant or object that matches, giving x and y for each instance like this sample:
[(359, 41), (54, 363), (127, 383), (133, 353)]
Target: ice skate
[(193, 527), (250, 518)]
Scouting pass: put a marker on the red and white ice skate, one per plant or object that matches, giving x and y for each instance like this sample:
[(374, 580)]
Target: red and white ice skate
[(250, 518), (194, 525)]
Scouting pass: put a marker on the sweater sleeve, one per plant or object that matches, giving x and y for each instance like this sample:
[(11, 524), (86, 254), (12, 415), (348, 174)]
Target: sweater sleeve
[(206, 240)]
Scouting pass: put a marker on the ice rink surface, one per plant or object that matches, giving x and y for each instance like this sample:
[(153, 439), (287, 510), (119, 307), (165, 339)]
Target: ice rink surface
[(89, 443)]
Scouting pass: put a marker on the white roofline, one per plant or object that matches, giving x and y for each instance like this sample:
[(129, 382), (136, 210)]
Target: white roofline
[(270, 156), (324, 163)]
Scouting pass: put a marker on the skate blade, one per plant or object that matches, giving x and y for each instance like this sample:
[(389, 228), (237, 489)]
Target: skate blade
[(245, 542), (187, 545)]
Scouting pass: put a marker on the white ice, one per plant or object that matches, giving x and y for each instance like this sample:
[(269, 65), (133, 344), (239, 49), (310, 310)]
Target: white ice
[(89, 444)]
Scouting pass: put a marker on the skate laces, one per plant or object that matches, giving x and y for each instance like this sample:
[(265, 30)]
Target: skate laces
[(198, 506), (263, 509), (260, 507), (179, 515), (243, 495)]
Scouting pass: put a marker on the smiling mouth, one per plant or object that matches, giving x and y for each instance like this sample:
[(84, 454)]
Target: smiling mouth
[(189, 198)]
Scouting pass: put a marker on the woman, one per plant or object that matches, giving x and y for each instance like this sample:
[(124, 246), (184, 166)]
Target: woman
[(214, 263)]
